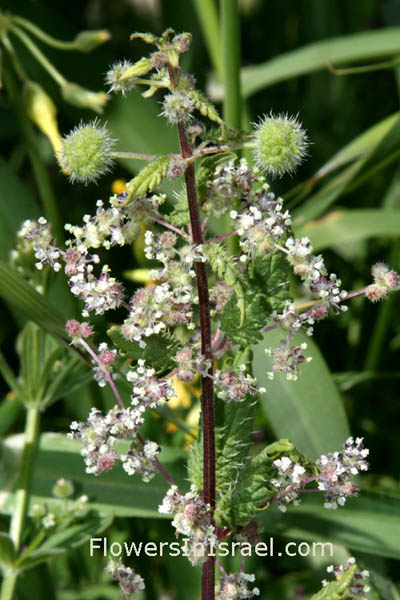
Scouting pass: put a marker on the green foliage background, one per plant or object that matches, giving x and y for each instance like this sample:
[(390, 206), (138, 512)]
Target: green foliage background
[(346, 197)]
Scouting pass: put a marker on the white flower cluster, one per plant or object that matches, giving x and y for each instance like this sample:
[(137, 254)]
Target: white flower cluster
[(140, 459), (312, 270), (46, 251), (337, 470), (359, 585), (148, 391), (261, 224), (117, 225), (154, 308), (99, 436), (289, 481), (334, 478), (287, 358), (129, 581), (234, 587), (192, 518), (233, 386), (190, 361)]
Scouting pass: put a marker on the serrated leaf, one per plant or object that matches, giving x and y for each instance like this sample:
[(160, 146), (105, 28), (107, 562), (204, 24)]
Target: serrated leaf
[(148, 178), (334, 590), (159, 352), (270, 274), (251, 491), (223, 264), (180, 215), (255, 316), (204, 106)]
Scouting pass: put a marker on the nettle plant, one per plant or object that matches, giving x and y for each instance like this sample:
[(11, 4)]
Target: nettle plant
[(200, 318)]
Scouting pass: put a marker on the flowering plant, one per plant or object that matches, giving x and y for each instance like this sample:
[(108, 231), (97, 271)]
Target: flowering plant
[(207, 305)]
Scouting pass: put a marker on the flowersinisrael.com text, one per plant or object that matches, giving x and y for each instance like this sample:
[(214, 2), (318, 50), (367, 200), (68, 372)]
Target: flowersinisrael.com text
[(244, 549)]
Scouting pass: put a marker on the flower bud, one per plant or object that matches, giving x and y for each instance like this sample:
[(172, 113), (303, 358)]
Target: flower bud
[(280, 145), (86, 41), (42, 111), (79, 96), (86, 152), (121, 77)]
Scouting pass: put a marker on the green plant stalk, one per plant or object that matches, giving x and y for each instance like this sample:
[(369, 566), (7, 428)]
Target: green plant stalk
[(38, 54), (208, 17), (17, 524), (42, 35), (25, 475), (230, 50), (230, 40), (8, 584)]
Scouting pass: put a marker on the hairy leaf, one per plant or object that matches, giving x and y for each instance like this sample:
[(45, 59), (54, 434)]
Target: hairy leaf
[(204, 106), (148, 178), (223, 264), (251, 491), (159, 352), (180, 215), (269, 273), (255, 316)]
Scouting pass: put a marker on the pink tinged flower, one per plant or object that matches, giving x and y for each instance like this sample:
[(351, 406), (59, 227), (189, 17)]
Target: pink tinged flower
[(73, 328)]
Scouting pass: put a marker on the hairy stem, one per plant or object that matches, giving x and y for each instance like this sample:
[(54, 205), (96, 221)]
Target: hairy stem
[(208, 574)]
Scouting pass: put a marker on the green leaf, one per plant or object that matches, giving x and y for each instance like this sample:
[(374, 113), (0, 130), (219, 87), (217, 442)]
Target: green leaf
[(148, 178), (270, 273), (368, 523), (365, 46), (206, 171), (308, 411), (16, 205), (345, 226), (385, 151), (255, 316), (335, 589), (15, 290), (223, 264), (358, 147), (250, 491), (114, 492), (180, 215), (7, 550), (204, 106), (159, 352), (72, 536)]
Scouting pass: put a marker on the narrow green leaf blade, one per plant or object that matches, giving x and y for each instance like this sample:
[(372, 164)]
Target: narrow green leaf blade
[(365, 46), (15, 290), (343, 226)]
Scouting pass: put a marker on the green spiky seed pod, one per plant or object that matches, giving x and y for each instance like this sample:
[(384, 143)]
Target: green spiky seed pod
[(87, 152), (280, 144)]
